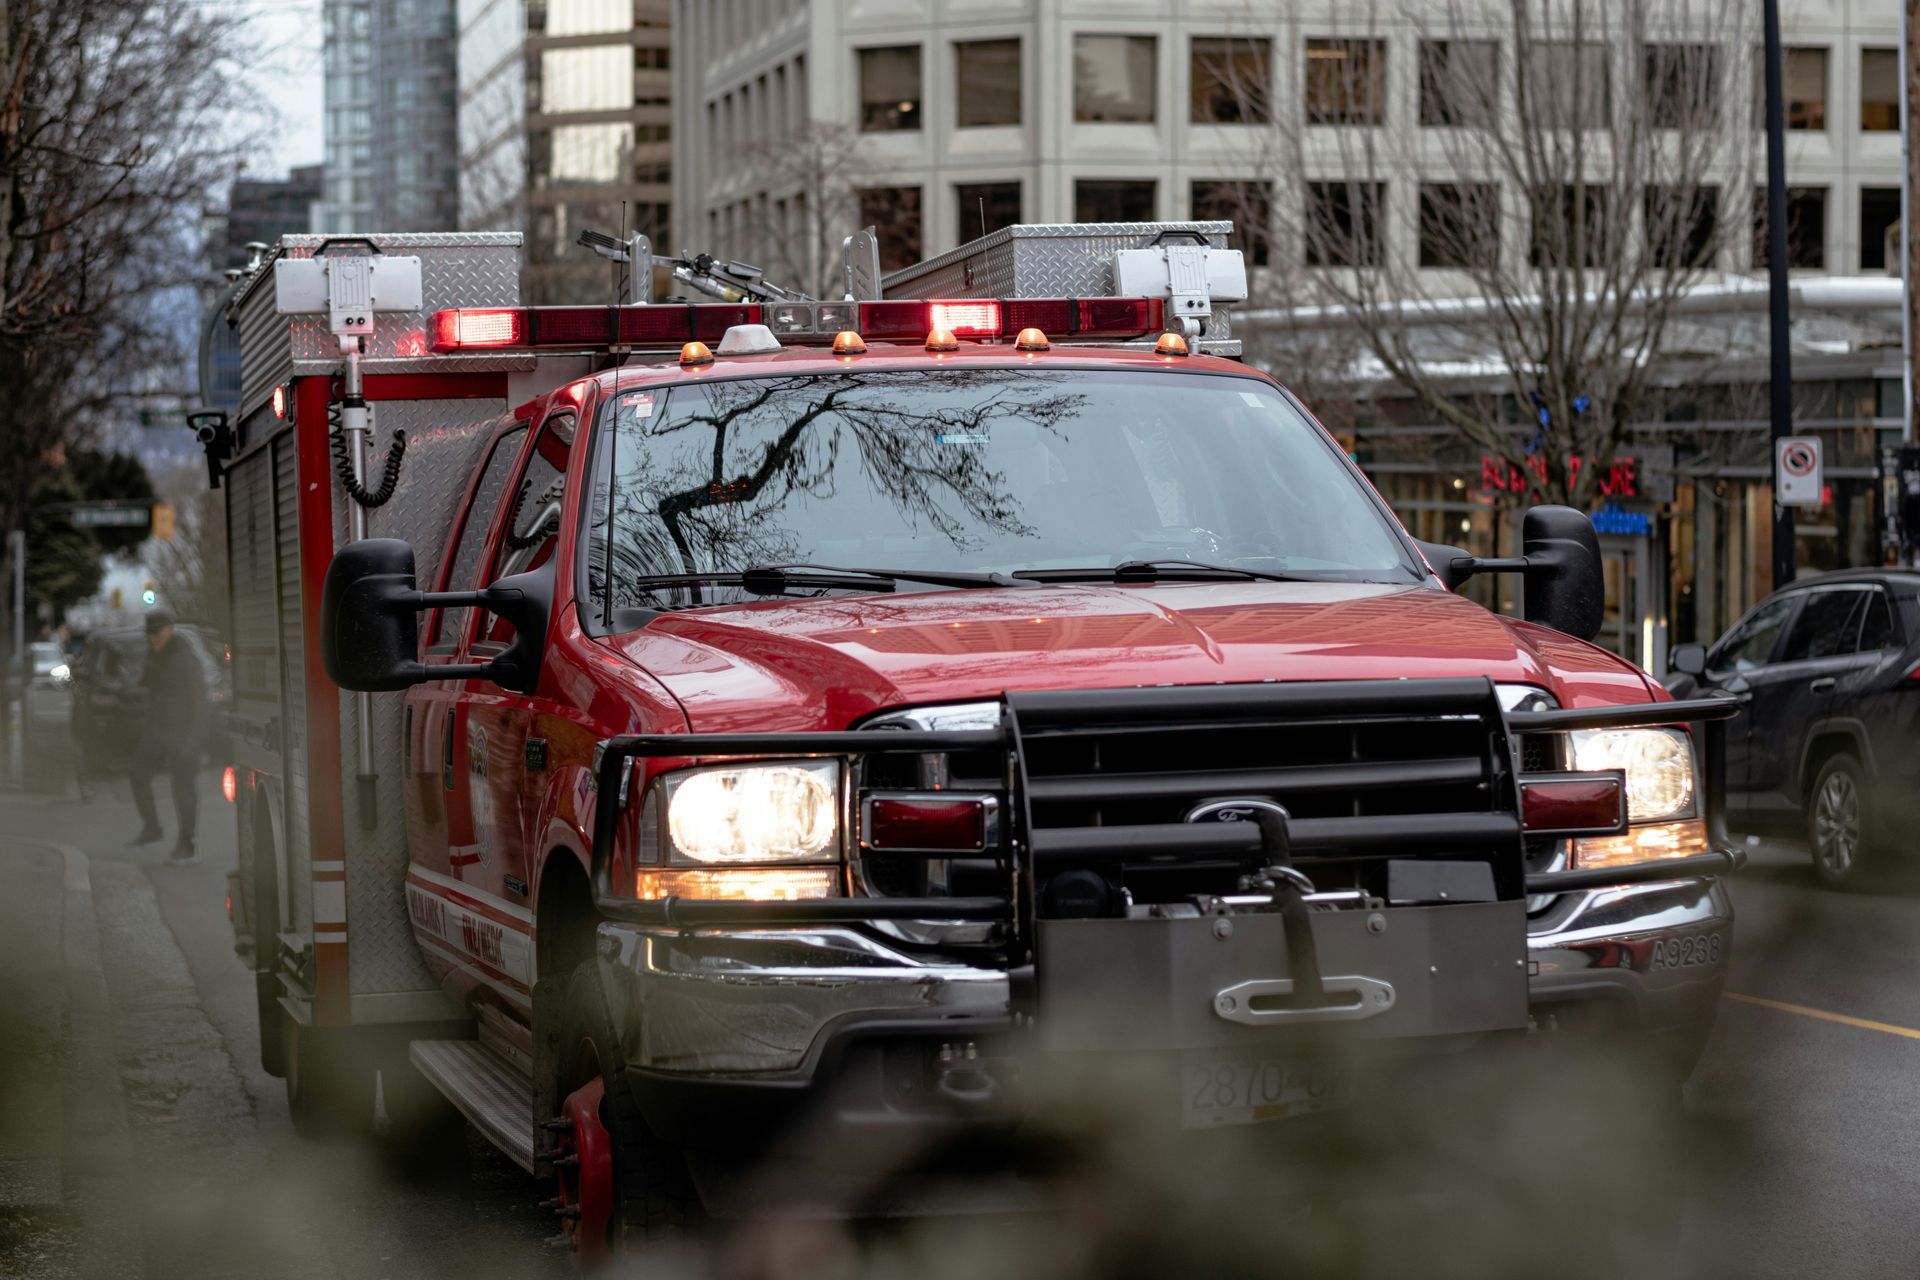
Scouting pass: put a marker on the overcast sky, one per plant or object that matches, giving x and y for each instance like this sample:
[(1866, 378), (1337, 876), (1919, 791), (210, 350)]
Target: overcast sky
[(286, 73)]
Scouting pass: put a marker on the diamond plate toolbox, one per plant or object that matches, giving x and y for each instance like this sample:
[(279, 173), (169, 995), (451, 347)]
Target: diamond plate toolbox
[(458, 269), (1043, 260)]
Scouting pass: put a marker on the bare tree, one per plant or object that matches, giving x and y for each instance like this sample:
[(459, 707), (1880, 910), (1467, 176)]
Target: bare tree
[(117, 119), (1528, 237), (808, 202)]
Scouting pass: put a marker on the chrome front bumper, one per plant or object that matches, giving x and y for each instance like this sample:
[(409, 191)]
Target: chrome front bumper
[(766, 1001)]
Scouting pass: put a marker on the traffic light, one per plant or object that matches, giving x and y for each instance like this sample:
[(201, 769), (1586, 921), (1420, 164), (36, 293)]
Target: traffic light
[(149, 596), (162, 526)]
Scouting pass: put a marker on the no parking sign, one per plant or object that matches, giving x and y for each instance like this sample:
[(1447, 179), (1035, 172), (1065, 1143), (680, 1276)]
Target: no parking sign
[(1797, 479)]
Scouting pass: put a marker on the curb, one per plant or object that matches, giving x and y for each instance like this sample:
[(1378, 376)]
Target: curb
[(100, 1169)]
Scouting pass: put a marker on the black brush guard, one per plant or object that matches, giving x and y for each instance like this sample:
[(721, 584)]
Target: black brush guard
[(1024, 849)]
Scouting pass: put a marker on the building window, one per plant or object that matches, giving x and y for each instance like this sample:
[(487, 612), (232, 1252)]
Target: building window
[(1460, 225), (1879, 214), (1879, 90), (986, 83), (1806, 228), (1248, 206), (1569, 86), (1683, 86), (1232, 80), (1803, 82), (894, 213), (1343, 224), (1346, 81), (1113, 79), (982, 208), (1113, 200), (890, 89), (1682, 225), (1459, 83), (1569, 226)]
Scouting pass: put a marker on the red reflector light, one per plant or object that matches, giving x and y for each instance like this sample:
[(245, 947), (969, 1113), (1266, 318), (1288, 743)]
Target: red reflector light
[(927, 823), (1574, 803), (966, 319), (880, 320), (229, 786), (465, 330), (1120, 316)]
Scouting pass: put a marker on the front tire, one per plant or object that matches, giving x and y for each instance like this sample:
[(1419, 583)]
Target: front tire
[(622, 1190), (1840, 825)]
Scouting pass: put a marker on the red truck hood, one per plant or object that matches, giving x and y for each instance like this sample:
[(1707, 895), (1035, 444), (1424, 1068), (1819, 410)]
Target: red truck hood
[(824, 663)]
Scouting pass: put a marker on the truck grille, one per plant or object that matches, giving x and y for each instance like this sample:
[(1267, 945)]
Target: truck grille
[(1367, 772)]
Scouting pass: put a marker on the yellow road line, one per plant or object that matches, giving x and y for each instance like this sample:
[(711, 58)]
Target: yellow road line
[(1866, 1024)]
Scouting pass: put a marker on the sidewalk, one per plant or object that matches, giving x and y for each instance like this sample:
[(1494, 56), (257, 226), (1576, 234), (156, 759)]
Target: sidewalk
[(66, 1177)]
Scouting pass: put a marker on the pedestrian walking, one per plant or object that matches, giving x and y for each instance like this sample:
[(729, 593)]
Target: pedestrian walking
[(173, 733)]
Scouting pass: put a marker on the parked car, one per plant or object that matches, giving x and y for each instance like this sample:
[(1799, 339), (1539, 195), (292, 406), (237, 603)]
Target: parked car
[(43, 703), (109, 699), (1827, 745)]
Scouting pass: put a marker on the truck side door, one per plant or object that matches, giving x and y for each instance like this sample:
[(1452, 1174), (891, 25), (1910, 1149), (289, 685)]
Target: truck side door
[(508, 775), (440, 836)]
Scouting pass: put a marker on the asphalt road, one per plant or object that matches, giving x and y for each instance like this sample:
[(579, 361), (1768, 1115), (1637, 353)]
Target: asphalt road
[(1794, 1155)]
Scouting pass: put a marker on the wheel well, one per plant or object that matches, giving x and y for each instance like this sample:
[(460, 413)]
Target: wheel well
[(564, 922), (1822, 749)]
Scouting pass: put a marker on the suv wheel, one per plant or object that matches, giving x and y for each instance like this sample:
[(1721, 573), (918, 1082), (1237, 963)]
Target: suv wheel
[(1839, 822)]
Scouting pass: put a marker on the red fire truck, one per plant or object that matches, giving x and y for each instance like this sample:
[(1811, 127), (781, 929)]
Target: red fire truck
[(726, 720)]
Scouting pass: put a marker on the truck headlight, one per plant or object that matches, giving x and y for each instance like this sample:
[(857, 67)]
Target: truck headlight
[(755, 813), (1658, 764), (1664, 821)]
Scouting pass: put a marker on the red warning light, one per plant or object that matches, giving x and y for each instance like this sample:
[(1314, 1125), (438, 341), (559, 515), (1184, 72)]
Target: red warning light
[(229, 787)]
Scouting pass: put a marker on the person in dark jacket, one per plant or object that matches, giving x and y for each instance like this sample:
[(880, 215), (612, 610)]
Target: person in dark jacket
[(175, 729)]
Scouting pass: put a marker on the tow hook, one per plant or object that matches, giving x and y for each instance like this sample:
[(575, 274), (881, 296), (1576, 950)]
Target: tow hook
[(961, 1080)]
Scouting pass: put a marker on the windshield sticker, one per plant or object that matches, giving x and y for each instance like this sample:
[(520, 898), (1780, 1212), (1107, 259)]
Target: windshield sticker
[(962, 437), (1251, 397), (640, 403)]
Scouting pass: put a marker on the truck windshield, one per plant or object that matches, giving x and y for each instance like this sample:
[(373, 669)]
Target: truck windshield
[(993, 470)]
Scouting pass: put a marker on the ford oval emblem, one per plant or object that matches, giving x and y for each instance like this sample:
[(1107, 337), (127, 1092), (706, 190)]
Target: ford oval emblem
[(1239, 809)]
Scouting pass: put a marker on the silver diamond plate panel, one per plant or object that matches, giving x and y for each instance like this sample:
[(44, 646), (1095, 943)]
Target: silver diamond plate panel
[(1042, 260), (457, 269), (444, 438)]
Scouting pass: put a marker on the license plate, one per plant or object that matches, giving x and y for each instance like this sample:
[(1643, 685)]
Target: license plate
[(1228, 1089)]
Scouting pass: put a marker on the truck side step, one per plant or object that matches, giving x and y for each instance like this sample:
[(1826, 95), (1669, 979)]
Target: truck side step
[(489, 1092)]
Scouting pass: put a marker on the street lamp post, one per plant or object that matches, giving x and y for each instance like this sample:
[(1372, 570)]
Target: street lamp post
[(1781, 377)]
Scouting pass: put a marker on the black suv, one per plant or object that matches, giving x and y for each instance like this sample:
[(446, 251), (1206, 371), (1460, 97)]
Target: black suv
[(1828, 744)]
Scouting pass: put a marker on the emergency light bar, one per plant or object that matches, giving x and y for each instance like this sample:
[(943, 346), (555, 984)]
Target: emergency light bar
[(670, 324)]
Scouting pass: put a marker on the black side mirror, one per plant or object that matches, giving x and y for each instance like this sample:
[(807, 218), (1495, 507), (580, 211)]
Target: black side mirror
[(370, 624), (369, 617), (1688, 659), (1565, 587)]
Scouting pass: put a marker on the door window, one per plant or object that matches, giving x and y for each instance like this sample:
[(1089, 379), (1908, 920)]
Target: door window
[(1876, 623), (468, 555), (1827, 626), (1751, 643), (533, 522)]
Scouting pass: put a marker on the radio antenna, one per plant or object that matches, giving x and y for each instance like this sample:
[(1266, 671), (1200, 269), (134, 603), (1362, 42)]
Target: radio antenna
[(983, 216)]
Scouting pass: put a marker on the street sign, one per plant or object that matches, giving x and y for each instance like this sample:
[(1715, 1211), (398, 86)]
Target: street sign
[(110, 517), (1798, 475)]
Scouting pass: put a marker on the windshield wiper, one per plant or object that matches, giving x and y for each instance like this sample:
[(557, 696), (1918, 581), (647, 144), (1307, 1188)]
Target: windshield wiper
[(1156, 571), (778, 579)]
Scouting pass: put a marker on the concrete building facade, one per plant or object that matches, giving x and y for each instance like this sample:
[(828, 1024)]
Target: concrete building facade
[(1064, 110)]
